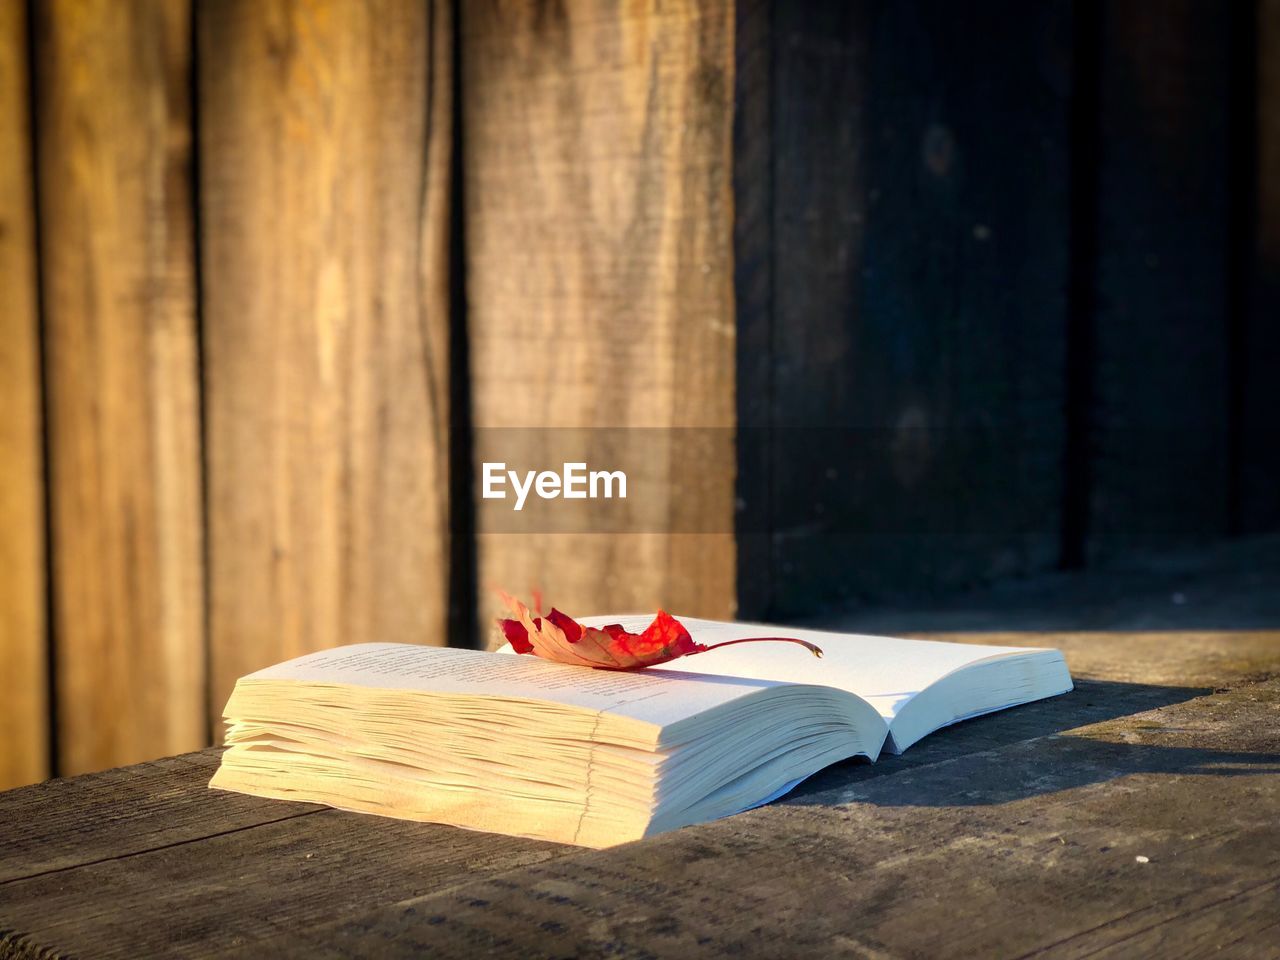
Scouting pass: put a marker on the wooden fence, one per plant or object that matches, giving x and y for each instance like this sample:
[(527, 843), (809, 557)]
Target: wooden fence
[(269, 265)]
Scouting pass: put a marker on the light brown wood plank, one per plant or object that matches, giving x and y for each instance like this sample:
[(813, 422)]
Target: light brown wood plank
[(325, 143), (114, 132), (24, 720), (600, 288)]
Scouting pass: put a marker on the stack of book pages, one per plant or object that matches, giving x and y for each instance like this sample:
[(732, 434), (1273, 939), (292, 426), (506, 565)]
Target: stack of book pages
[(518, 745)]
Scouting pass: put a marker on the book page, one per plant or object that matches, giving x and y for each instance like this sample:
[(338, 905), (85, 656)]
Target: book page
[(885, 671), (652, 696)]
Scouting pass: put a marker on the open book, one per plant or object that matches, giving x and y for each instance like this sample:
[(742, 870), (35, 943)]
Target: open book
[(515, 744)]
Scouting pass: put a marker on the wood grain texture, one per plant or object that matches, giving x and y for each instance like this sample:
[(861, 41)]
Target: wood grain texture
[(1035, 816), (1259, 494), (150, 806), (1029, 820), (170, 832), (325, 144), (323, 865), (921, 251), (1160, 411), (115, 205), (24, 719), (1030, 848), (599, 236), (974, 808)]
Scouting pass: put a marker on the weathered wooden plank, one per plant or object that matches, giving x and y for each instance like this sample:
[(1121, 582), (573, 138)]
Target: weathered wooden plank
[(984, 799), (599, 235), (920, 276), (753, 289), (114, 134), (1030, 819), (325, 144), (1033, 847), (1259, 444), (59, 825), (1046, 826), (1222, 921), (1160, 412), (250, 881), (24, 719)]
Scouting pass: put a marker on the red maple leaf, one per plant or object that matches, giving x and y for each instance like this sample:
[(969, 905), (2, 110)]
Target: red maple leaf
[(561, 638)]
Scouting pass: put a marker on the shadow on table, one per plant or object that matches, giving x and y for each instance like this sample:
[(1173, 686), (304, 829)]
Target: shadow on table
[(1031, 759)]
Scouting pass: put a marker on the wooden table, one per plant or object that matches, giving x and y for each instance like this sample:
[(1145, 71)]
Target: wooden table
[(1139, 815)]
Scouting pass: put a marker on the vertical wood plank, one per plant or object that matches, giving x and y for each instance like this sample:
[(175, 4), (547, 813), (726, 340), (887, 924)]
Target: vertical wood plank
[(1259, 494), (599, 243), (754, 257), (117, 270), (1159, 439), (920, 229), (24, 719), (325, 144)]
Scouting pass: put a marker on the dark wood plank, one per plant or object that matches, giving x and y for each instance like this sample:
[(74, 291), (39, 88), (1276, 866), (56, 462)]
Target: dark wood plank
[(269, 867), (296, 874), (1231, 589), (1219, 922), (24, 719), (753, 291), (1259, 443), (62, 824), (1159, 440), (1108, 838), (113, 124), (921, 232), (325, 142), (598, 220)]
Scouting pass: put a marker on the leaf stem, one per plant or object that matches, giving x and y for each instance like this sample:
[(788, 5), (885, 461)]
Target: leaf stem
[(811, 647)]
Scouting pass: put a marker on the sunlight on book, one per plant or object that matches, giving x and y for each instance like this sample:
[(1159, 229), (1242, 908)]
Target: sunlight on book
[(517, 745)]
